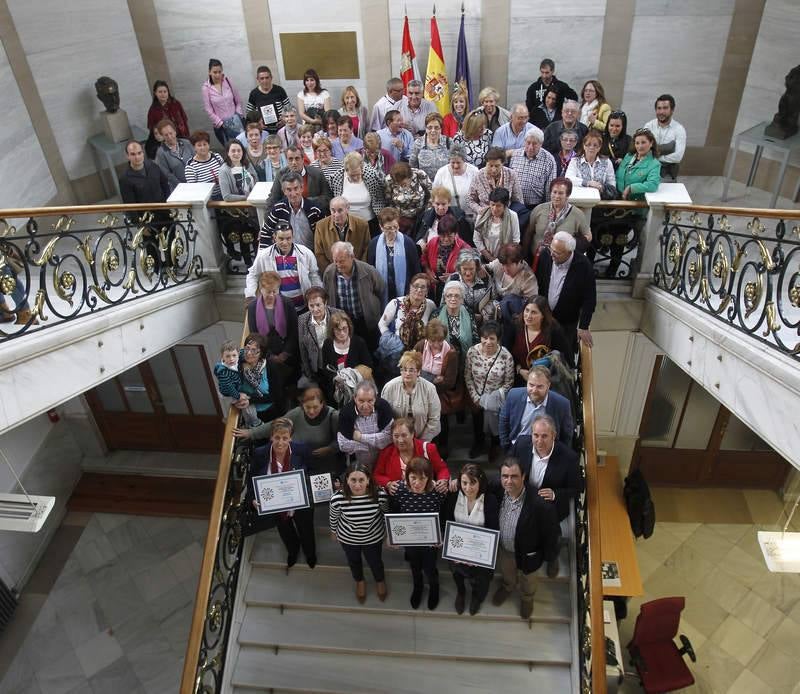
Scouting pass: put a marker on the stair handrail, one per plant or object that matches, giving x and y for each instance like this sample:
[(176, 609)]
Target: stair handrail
[(768, 213), (595, 582), (209, 613), (26, 212)]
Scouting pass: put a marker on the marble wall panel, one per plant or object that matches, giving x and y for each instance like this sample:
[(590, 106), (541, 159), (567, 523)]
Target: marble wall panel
[(680, 54), (194, 31), (543, 30), (775, 53), (448, 18), (338, 16), (23, 168), (70, 45)]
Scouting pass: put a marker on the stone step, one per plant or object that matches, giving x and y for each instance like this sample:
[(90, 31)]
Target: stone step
[(268, 551), (333, 590), (410, 635), (264, 670)]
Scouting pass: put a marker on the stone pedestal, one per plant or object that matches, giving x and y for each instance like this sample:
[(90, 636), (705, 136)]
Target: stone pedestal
[(116, 126)]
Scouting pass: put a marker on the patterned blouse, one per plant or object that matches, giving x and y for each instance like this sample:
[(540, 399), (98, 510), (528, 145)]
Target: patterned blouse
[(411, 199), (430, 159), (486, 374), (475, 150)]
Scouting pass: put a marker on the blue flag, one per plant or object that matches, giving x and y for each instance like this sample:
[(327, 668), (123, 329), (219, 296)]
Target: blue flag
[(463, 80)]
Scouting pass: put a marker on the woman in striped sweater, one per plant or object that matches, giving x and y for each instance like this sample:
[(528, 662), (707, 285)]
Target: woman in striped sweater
[(356, 521)]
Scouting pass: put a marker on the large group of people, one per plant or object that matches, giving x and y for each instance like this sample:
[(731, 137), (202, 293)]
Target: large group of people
[(412, 269)]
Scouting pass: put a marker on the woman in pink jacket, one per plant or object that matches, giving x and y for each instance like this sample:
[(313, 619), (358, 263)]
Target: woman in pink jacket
[(222, 103)]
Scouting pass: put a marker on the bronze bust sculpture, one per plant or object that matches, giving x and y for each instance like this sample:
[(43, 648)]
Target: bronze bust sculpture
[(784, 123), (108, 92)]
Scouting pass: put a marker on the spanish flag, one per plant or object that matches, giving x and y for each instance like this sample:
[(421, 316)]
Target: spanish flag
[(437, 88)]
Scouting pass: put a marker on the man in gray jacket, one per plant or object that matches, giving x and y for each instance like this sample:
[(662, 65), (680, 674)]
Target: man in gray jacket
[(173, 154), (356, 288)]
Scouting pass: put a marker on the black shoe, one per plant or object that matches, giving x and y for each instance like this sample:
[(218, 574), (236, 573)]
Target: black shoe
[(477, 449), (460, 599), (312, 562), (552, 568), (291, 561), (474, 605), (416, 596), (433, 596)]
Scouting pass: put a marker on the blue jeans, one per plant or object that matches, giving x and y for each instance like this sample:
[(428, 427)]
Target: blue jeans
[(18, 293)]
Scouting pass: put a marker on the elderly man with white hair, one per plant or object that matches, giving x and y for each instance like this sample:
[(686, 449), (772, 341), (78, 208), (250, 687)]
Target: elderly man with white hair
[(356, 288), (567, 280), (511, 135), (341, 225), (535, 168)]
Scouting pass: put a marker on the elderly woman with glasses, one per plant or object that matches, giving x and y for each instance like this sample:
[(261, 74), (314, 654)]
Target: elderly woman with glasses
[(414, 397), (342, 349), (255, 378), (461, 331), (477, 288), (393, 255), (431, 151), (569, 140), (556, 215), (406, 316)]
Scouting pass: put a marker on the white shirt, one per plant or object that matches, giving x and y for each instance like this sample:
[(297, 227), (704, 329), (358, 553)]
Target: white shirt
[(539, 467), (457, 185), (357, 194), (474, 517), (320, 329), (557, 276), (672, 131)]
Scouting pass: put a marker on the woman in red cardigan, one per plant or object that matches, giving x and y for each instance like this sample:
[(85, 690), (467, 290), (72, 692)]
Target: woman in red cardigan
[(441, 253), (164, 106), (392, 460)]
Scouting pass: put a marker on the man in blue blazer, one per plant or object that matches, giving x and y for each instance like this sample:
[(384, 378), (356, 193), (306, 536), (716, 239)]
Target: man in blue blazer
[(523, 405), (551, 467)]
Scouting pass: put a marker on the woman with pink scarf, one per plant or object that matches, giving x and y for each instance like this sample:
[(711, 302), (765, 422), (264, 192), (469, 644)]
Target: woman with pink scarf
[(273, 315)]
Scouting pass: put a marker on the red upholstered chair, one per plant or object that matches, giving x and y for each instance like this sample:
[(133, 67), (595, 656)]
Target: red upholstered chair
[(657, 658)]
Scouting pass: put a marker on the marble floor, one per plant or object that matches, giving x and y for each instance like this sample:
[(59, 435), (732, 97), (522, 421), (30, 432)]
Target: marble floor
[(116, 616), (742, 620)]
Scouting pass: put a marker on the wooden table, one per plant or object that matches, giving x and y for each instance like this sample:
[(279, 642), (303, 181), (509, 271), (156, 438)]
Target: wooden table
[(616, 537)]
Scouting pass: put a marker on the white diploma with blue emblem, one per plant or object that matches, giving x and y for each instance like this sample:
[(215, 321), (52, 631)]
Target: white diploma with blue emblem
[(413, 529), (281, 492), (470, 544)]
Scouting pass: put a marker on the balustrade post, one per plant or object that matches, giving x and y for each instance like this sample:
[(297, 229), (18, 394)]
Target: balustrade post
[(258, 199), (649, 241), (585, 199), (207, 244)]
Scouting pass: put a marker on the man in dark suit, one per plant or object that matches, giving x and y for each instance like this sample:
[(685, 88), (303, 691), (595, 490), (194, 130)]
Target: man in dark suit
[(315, 185), (529, 535), (523, 405), (552, 468), (567, 280)]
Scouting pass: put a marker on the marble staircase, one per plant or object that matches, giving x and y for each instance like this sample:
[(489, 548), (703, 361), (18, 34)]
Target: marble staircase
[(302, 630)]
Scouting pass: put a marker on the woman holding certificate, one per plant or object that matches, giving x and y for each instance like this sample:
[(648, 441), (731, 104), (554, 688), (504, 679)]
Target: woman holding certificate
[(417, 494), (295, 527), (473, 506), (356, 521)]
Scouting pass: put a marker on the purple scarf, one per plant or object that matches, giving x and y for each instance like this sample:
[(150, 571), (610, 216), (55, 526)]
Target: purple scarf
[(262, 322)]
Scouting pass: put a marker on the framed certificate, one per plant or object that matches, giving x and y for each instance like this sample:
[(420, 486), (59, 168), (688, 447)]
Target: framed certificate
[(284, 491), (268, 114), (413, 529), (470, 544), (321, 487)]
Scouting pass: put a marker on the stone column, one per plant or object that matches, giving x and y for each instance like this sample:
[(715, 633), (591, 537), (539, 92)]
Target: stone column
[(649, 244)]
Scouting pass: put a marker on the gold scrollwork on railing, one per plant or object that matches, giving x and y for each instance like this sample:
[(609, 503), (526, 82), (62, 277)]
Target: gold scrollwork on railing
[(755, 226), (108, 220), (772, 324), (7, 229), (721, 267), (675, 217), (47, 253), (724, 224), (63, 223), (766, 257), (752, 295), (65, 285), (694, 273), (38, 305), (109, 261), (86, 247)]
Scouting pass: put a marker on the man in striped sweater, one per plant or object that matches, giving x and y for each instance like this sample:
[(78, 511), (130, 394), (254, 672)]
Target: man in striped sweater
[(293, 210), (296, 265)]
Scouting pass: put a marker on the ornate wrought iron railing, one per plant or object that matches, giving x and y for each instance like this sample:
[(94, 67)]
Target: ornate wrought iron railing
[(204, 665), (617, 228), (238, 230), (57, 264), (591, 633), (740, 266)]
